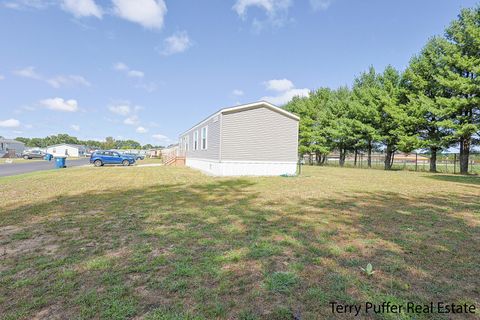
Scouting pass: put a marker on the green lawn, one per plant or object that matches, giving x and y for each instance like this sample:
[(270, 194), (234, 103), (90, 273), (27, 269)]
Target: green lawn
[(150, 161), (171, 243)]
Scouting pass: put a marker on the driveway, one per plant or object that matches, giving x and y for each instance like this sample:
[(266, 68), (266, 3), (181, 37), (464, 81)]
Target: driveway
[(11, 169)]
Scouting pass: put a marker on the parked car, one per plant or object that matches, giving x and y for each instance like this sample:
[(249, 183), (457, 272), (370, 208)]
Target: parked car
[(33, 154), (136, 156), (100, 158)]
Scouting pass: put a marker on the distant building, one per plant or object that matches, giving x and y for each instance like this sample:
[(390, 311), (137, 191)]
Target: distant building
[(10, 148), (68, 150), (154, 153)]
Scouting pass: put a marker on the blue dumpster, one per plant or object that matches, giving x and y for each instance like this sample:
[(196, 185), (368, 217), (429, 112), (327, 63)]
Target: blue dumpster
[(48, 157), (60, 162)]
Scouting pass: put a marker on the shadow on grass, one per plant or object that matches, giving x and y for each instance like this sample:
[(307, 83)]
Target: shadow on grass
[(473, 180), (213, 249)]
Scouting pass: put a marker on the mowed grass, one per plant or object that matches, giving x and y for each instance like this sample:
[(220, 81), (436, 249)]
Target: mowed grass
[(171, 243)]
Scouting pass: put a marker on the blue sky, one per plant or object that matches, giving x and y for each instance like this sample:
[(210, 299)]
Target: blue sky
[(149, 69)]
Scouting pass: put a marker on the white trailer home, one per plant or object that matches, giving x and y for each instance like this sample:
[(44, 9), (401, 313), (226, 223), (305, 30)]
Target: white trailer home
[(257, 139), (68, 150)]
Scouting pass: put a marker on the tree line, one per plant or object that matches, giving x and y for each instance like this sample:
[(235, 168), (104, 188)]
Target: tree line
[(109, 143), (434, 104)]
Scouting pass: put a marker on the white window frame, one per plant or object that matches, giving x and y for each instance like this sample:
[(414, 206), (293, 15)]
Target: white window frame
[(204, 136), (195, 140), (186, 142)]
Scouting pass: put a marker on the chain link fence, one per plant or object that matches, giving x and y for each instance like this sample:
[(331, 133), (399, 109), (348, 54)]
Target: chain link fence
[(446, 162)]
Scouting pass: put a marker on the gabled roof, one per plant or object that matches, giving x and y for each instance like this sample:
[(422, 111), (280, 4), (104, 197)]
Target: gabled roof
[(248, 106), (259, 104)]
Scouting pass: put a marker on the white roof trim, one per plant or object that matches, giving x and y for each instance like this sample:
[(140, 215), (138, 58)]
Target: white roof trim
[(246, 107), (258, 104), (78, 146)]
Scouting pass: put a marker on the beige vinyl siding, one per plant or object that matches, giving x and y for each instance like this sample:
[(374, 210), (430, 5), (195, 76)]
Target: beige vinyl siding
[(213, 140), (259, 134)]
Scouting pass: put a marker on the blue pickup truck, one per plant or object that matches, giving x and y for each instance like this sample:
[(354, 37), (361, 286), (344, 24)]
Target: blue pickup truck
[(100, 158)]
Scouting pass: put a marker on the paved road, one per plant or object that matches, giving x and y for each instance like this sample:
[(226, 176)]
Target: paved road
[(11, 169)]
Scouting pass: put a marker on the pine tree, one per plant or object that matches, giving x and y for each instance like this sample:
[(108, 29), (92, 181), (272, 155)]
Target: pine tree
[(365, 95), (422, 90), (313, 138), (460, 81), (396, 126)]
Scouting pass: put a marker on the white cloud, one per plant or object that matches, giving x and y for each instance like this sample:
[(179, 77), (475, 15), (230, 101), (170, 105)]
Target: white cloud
[(120, 109), (149, 87), (318, 5), (276, 11), (128, 111), (176, 43), (9, 123), (2, 77), (75, 127), (56, 81), (148, 13), (71, 80), (286, 91), (141, 130), (59, 104), (160, 137), (237, 92), (132, 120), (82, 8), (25, 4), (270, 6), (23, 109), (135, 74), (28, 72), (122, 67), (286, 96), (279, 85)]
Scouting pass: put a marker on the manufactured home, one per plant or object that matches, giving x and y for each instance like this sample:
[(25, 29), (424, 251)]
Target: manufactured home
[(11, 148), (257, 139), (68, 150)]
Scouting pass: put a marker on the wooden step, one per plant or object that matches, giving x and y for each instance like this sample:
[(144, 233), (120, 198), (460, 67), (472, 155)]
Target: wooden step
[(175, 161)]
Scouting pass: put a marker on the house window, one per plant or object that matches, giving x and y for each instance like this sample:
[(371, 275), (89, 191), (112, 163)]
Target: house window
[(185, 143), (204, 138), (195, 140)]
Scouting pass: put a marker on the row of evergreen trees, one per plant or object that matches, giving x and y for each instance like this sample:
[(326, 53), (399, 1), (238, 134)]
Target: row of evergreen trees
[(434, 104)]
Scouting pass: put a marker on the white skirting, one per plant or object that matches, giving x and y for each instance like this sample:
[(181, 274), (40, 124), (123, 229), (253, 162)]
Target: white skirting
[(242, 168)]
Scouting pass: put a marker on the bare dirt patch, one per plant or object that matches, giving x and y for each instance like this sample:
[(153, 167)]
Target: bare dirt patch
[(45, 244)]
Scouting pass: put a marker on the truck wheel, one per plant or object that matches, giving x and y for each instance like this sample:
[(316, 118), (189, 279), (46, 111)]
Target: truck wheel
[(25, 157), (125, 163), (97, 163)]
